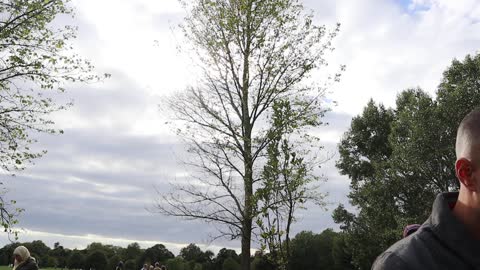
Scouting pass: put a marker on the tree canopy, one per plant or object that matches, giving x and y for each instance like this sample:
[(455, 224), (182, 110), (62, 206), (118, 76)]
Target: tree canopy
[(399, 158)]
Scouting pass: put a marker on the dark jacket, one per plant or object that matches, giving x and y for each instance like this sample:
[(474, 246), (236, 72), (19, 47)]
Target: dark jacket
[(29, 264), (442, 242)]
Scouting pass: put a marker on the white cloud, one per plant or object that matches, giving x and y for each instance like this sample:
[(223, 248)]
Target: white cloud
[(387, 50), (128, 34)]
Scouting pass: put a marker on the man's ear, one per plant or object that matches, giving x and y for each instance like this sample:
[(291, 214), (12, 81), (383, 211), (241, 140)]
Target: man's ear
[(464, 172)]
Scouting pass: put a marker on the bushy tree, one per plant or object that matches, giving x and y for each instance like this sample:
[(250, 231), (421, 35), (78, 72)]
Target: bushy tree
[(60, 254), (261, 262), (342, 259), (113, 261), (130, 265), (318, 251), (156, 253), (222, 255), (177, 263), (132, 251), (399, 159), (230, 264), (40, 250), (192, 253), (76, 260), (96, 260)]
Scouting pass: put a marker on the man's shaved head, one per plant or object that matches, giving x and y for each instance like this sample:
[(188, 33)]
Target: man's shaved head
[(468, 135)]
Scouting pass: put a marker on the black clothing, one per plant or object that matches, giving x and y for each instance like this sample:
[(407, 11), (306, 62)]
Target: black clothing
[(442, 242), (29, 264)]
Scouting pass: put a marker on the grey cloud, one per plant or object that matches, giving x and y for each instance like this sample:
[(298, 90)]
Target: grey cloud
[(53, 210), (54, 204)]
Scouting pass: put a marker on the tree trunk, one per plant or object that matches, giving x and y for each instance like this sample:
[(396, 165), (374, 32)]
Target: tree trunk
[(248, 159), (248, 212), (246, 240)]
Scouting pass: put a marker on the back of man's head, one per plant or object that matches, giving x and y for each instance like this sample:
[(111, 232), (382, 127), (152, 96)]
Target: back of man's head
[(468, 135)]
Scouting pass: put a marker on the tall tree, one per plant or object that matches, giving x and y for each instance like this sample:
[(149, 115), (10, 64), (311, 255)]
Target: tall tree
[(393, 183), (364, 154), (37, 61), (252, 54), (457, 95), (422, 159)]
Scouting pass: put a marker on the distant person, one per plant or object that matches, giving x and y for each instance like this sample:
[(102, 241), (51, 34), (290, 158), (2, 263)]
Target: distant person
[(157, 266), (163, 267), (22, 259), (151, 267), (145, 267), (450, 238), (119, 266)]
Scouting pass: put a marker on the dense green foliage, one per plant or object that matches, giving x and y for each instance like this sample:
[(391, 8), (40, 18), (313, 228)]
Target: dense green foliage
[(96, 260), (157, 253), (399, 158), (309, 251), (100, 256), (319, 251)]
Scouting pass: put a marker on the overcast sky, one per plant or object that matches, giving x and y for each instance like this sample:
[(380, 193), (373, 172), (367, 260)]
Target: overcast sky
[(98, 179)]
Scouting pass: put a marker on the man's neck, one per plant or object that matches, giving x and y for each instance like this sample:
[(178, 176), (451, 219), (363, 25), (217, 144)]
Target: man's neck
[(467, 211)]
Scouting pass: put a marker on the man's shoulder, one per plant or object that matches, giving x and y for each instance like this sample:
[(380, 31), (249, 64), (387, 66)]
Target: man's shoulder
[(406, 253), (389, 260), (30, 264)]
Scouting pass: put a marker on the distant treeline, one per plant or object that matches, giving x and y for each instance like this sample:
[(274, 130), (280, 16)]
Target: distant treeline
[(309, 251)]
